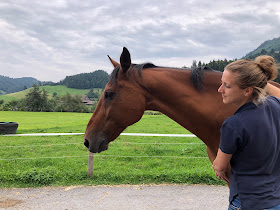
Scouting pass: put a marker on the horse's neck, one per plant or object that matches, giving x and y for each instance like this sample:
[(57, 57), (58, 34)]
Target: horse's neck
[(173, 93)]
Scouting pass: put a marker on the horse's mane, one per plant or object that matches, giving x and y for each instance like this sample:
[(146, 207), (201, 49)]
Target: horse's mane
[(196, 76), (134, 67)]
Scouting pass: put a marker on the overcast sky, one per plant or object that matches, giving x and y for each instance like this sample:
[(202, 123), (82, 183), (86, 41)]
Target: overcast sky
[(51, 39)]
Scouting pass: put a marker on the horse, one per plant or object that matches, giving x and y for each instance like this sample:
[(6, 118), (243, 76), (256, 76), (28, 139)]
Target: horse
[(189, 97)]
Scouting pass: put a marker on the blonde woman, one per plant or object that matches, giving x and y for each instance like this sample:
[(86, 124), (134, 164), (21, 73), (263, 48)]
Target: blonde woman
[(250, 139)]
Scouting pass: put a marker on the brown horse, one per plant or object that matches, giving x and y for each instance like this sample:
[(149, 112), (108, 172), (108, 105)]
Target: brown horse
[(189, 97)]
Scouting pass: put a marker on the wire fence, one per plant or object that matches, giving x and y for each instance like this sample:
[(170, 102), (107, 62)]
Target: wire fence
[(100, 155), (122, 134), (51, 145)]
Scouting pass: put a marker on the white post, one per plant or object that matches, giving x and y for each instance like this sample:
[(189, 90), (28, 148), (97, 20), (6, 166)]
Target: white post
[(90, 164)]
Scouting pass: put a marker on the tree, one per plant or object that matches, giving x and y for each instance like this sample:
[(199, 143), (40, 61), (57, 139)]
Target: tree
[(69, 103), (272, 51), (36, 100), (92, 94), (277, 56), (44, 100), (219, 65), (194, 64), (263, 52), (14, 105)]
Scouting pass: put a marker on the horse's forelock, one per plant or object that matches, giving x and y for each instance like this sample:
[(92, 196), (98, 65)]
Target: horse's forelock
[(114, 75)]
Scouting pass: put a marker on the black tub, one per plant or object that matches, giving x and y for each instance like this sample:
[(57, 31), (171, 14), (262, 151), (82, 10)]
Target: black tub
[(8, 127)]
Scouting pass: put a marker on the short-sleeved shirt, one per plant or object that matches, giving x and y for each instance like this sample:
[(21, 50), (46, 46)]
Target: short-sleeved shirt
[(252, 136)]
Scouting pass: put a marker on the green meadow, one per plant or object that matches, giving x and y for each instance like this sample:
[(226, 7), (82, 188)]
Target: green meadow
[(32, 161)]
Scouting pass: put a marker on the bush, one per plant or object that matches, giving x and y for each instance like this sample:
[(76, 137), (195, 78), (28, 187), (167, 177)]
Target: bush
[(152, 113), (37, 176), (69, 103)]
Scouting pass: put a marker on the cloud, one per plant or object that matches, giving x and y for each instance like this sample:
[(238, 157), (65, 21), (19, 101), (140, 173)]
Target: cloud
[(51, 39)]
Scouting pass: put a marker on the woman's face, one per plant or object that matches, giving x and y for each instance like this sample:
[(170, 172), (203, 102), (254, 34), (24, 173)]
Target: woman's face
[(231, 92)]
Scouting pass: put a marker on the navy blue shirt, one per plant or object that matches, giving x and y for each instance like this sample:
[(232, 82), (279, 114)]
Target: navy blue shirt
[(252, 136)]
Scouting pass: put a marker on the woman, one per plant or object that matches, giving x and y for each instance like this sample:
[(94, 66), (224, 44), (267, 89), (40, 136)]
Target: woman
[(250, 139)]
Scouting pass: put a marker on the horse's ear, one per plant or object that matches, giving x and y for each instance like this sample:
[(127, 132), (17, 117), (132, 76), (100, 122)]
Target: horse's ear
[(113, 62), (125, 60)]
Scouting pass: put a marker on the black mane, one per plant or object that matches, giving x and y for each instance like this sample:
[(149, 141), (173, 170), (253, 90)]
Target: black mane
[(134, 67), (140, 67), (197, 76)]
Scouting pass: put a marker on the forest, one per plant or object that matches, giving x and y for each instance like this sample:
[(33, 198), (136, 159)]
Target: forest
[(96, 79), (11, 85)]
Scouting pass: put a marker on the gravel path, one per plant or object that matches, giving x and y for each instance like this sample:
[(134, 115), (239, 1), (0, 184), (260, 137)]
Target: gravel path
[(124, 197)]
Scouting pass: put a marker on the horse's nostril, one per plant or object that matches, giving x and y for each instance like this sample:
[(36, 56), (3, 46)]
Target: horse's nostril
[(86, 143)]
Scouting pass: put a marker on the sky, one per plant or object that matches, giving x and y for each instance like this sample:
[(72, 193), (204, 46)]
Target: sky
[(49, 40)]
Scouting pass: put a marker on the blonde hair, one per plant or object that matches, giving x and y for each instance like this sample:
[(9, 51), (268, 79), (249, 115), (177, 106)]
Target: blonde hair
[(254, 74)]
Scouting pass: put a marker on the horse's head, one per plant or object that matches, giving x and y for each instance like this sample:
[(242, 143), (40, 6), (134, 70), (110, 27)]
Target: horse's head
[(121, 104)]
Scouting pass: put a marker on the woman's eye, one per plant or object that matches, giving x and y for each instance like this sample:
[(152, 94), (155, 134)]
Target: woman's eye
[(226, 85), (109, 95)]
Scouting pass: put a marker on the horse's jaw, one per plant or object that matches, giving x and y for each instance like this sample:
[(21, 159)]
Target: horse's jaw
[(102, 146), (97, 142)]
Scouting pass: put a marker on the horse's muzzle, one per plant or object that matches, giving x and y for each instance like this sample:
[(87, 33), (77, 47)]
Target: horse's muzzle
[(86, 143), (101, 147)]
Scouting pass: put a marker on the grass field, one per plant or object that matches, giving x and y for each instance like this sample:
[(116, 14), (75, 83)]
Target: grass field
[(62, 160), (59, 89)]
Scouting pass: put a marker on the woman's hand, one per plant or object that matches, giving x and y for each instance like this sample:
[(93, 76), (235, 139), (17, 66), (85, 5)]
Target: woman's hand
[(222, 175)]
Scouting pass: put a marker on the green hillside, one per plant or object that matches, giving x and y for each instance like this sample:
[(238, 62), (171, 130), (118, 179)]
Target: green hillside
[(269, 47), (95, 79), (59, 89), (12, 85)]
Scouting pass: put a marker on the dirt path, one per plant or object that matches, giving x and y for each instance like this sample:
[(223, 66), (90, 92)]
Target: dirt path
[(127, 197)]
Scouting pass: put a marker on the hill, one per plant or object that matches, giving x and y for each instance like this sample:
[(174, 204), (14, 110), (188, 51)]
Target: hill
[(11, 85), (269, 47), (59, 90), (96, 79)]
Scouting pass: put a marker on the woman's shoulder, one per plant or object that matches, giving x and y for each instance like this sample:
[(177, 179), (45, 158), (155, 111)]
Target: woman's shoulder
[(273, 98), (242, 116), (233, 122), (272, 105)]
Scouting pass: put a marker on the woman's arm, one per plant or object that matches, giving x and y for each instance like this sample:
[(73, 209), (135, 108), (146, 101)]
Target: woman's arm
[(220, 165), (272, 90)]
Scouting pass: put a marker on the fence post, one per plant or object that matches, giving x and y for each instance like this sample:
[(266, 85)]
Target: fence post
[(90, 164)]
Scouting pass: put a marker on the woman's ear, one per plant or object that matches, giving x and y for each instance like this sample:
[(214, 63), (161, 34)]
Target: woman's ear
[(248, 91)]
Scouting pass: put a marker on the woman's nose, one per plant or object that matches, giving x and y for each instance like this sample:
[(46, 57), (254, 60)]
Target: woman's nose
[(220, 89)]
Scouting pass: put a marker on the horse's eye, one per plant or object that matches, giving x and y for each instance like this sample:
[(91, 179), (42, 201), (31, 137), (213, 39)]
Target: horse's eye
[(109, 95)]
